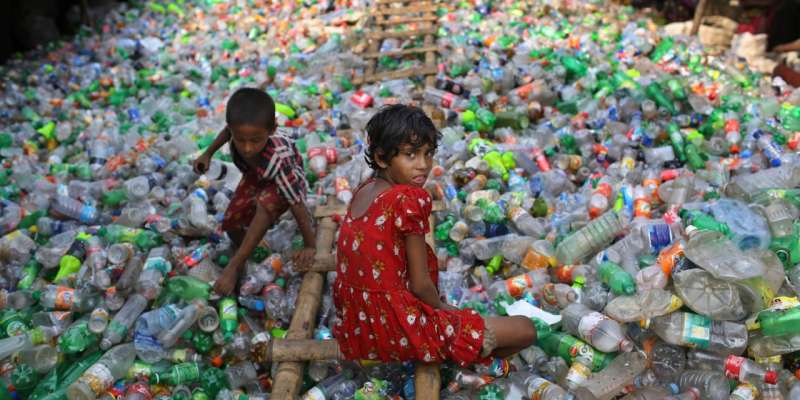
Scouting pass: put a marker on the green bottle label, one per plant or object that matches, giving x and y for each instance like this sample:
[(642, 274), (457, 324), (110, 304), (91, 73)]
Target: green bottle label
[(696, 330)]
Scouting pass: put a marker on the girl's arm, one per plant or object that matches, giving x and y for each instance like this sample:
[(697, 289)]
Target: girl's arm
[(421, 284)]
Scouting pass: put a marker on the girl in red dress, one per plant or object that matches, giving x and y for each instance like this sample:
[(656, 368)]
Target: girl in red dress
[(387, 304)]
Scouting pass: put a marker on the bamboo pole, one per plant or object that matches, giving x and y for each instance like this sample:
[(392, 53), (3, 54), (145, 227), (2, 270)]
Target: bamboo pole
[(280, 350), (289, 376), (698, 16), (427, 381)]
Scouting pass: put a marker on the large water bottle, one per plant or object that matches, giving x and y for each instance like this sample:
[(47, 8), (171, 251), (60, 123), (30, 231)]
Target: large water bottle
[(688, 329), (748, 228), (601, 332), (704, 294), (74, 209), (109, 368), (118, 327), (712, 385), (597, 234), (139, 187), (719, 256)]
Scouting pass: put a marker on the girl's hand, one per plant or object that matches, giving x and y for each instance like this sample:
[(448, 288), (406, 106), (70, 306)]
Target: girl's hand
[(201, 163), (303, 259), (226, 282)]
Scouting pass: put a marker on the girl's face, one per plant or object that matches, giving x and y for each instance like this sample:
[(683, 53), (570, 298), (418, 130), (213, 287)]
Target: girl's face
[(249, 139), (410, 166)]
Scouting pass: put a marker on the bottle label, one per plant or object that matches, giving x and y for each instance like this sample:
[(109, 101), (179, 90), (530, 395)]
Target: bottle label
[(228, 310), (537, 387), (583, 353), (65, 296), (696, 330), (588, 324), (577, 374), (518, 284), (733, 366), (98, 377), (745, 391), (660, 236), (87, 214), (447, 100), (314, 394)]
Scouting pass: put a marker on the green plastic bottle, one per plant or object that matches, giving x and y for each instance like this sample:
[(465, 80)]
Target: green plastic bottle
[(619, 280), (676, 139), (575, 67), (571, 349), (212, 381), (188, 288), (179, 374), (663, 47), (779, 322), (77, 338), (703, 221), (655, 93), (144, 239), (228, 317)]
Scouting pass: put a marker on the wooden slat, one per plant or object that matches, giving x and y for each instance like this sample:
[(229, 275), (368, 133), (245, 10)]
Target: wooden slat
[(401, 34), (404, 73), (427, 381), (405, 10), (430, 58), (395, 53), (289, 375), (407, 20), (280, 350)]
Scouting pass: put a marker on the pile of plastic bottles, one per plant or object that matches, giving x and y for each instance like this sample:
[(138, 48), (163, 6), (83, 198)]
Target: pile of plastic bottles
[(638, 195)]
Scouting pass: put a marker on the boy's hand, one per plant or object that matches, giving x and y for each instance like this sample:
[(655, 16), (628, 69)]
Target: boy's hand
[(226, 282), (201, 163), (304, 259)]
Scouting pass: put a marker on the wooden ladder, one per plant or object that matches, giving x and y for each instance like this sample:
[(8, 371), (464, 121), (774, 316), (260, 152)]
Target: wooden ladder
[(422, 14), (298, 347)]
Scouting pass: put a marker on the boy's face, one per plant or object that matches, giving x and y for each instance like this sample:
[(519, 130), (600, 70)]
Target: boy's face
[(249, 139)]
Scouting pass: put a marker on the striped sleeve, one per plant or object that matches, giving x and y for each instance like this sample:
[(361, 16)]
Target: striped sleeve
[(283, 165)]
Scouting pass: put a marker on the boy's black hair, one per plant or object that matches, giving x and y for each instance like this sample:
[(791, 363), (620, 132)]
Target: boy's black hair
[(250, 106), (394, 126)]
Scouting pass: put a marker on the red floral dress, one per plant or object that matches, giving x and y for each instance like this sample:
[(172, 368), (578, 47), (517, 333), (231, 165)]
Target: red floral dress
[(378, 318)]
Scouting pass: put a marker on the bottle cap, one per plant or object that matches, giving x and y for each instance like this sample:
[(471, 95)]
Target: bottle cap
[(771, 377)]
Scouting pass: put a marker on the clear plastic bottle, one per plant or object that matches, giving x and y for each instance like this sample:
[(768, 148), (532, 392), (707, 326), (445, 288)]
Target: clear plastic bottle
[(118, 327), (517, 285), (716, 254), (108, 369), (714, 298), (98, 320), (241, 374), (601, 332), (688, 329), (187, 318), (156, 267), (735, 367), (74, 209), (712, 385), (608, 383), (330, 387), (590, 239), (66, 298)]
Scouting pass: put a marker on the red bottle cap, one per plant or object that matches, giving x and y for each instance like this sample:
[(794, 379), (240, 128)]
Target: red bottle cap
[(771, 377)]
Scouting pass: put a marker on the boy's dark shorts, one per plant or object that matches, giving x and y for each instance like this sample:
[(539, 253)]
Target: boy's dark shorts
[(252, 191)]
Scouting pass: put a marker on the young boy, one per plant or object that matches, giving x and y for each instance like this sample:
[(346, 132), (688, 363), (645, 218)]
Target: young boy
[(273, 181)]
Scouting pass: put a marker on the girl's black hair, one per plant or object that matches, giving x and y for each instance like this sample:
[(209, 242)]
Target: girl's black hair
[(396, 125)]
